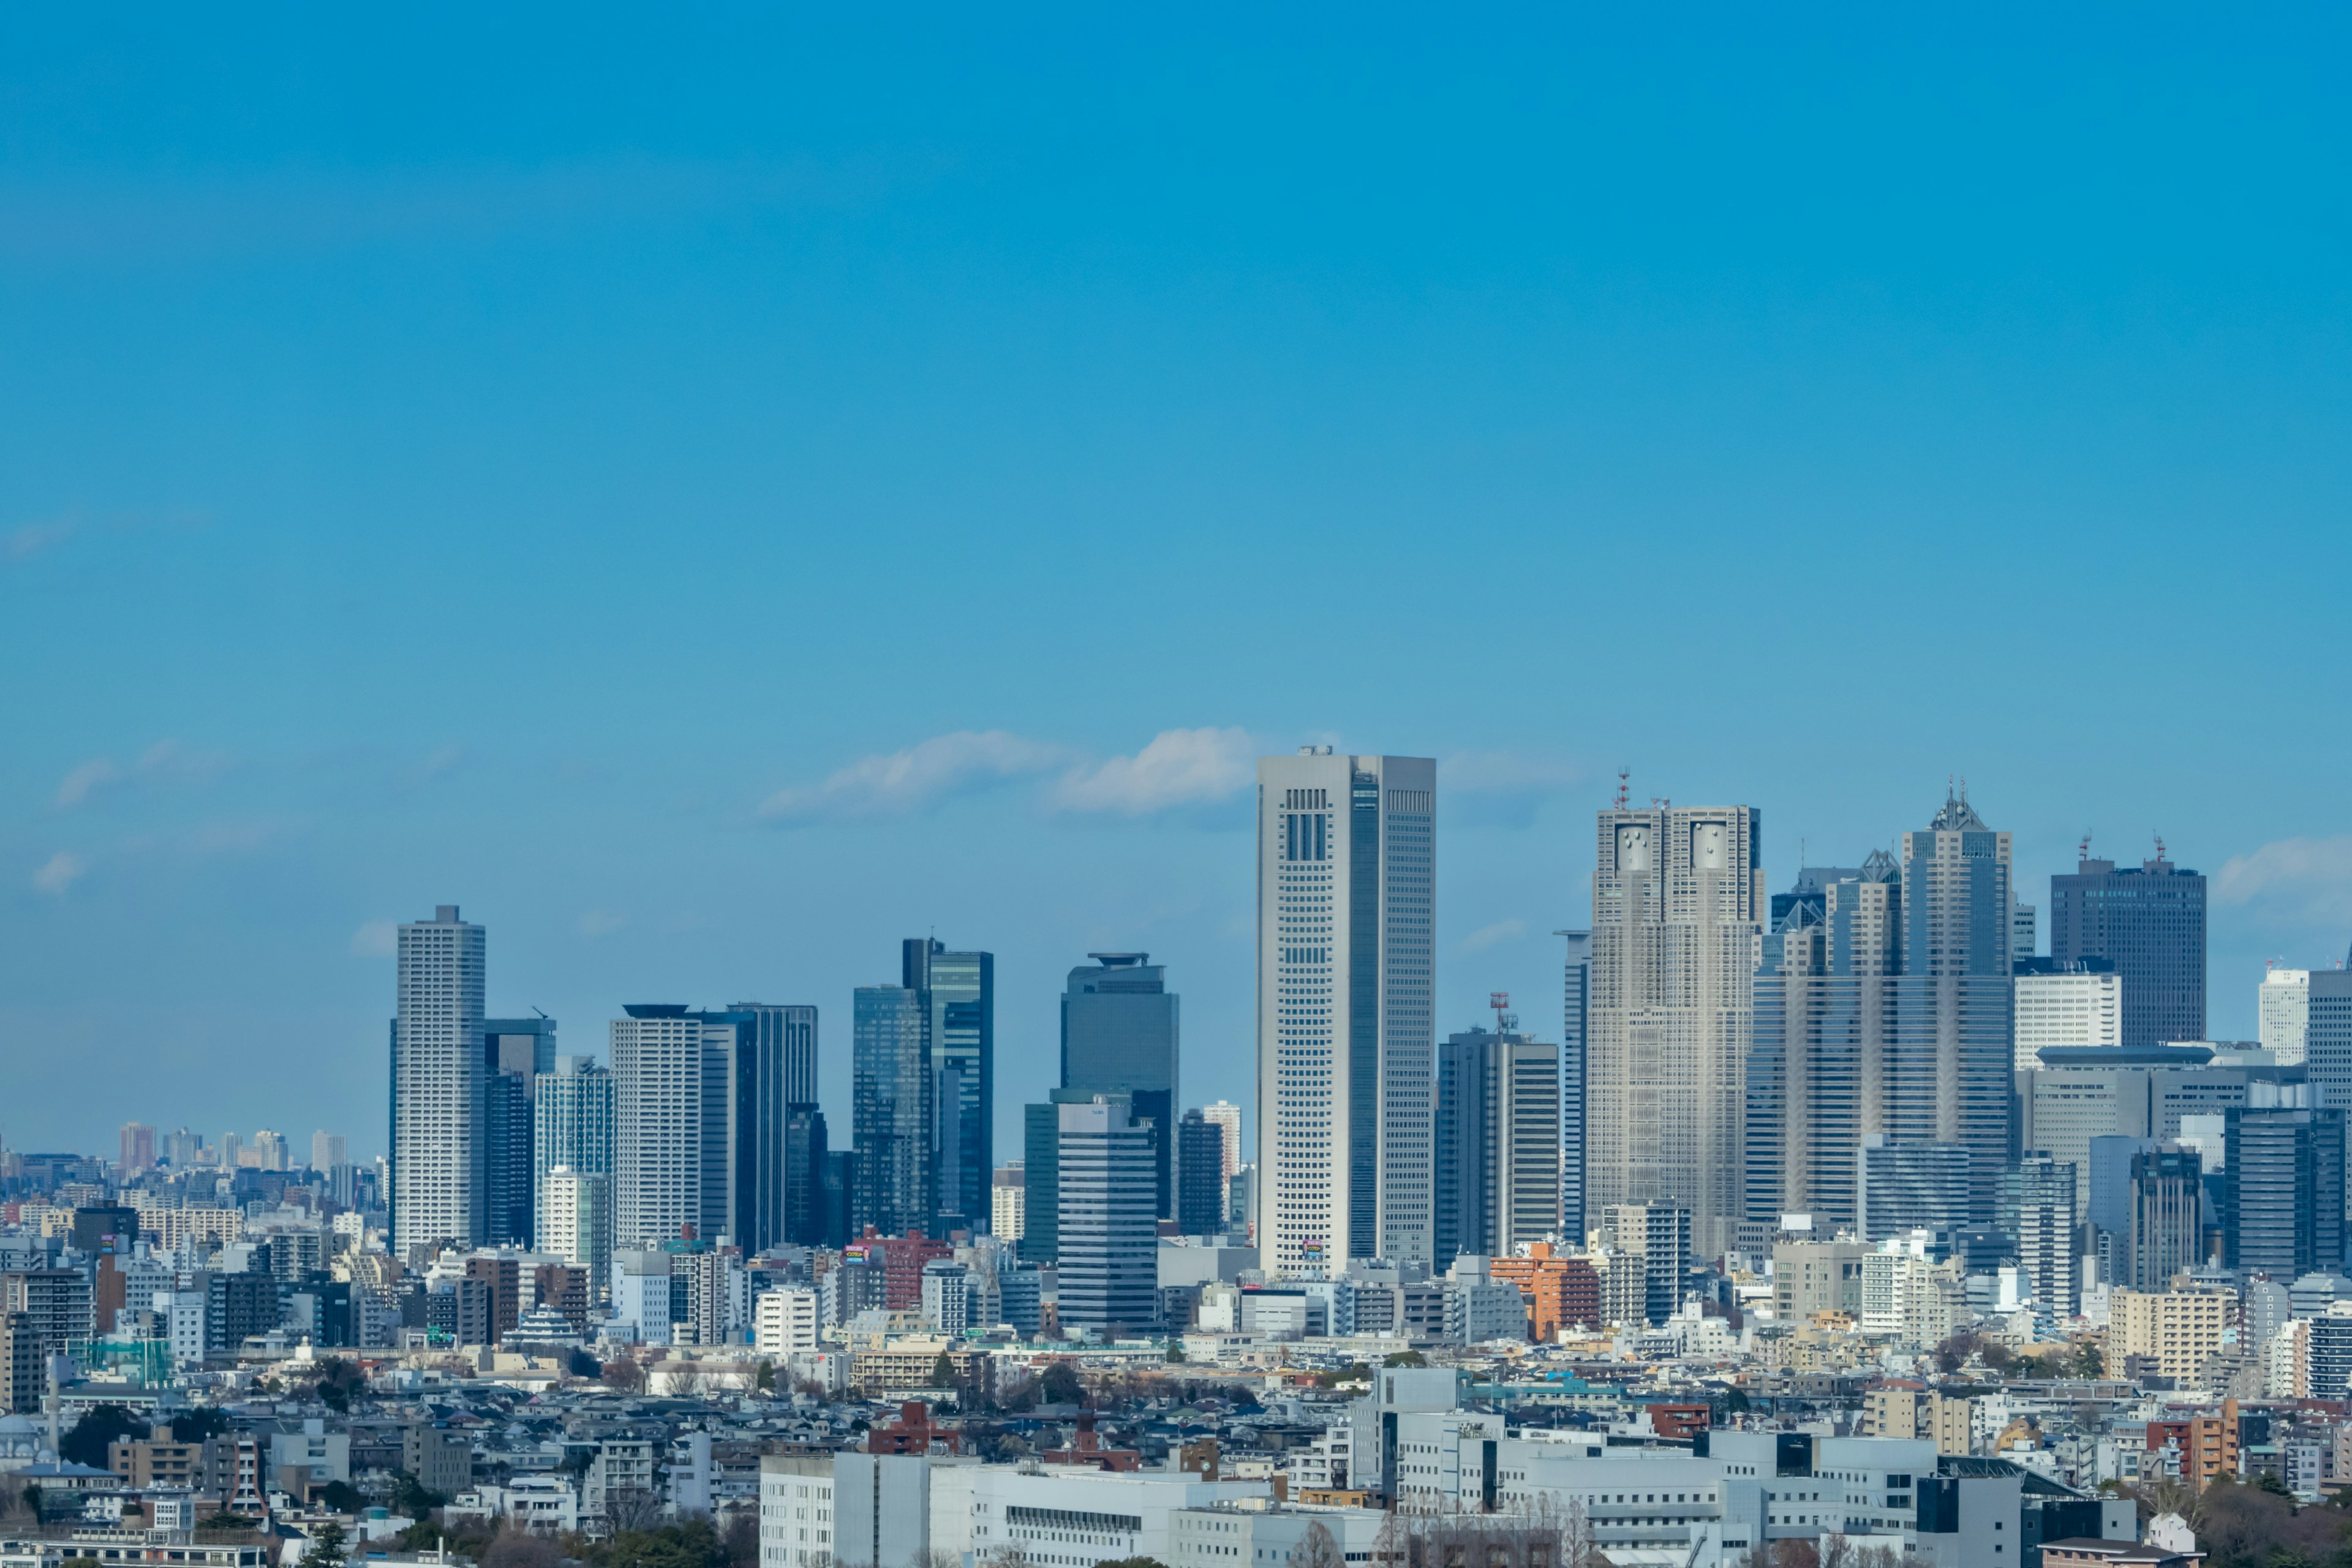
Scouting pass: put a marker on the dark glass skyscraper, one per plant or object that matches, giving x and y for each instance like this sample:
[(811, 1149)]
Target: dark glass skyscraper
[(515, 1051), (891, 1091), (1200, 1175), (2283, 1184), (2151, 922), (1576, 1002), (1119, 1036), (959, 1003)]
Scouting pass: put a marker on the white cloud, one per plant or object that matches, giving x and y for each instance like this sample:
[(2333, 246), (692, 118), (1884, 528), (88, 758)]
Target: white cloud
[(61, 871), (23, 544), (601, 923), (2311, 875), (1494, 936), (921, 775), (75, 788), (1179, 767), (376, 938)]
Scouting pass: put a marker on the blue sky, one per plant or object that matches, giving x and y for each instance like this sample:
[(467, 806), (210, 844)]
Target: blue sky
[(713, 497)]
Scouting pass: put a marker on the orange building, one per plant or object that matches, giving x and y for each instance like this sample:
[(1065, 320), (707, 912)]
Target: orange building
[(1561, 1292), (2205, 1445)]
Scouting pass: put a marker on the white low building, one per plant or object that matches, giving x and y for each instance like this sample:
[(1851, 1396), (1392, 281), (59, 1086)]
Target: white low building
[(1241, 1535), (795, 1511), (1066, 1517)]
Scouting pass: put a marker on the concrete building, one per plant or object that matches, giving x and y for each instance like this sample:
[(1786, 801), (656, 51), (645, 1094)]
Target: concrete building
[(672, 1137), (796, 1511), (2283, 1184), (571, 1111), (1345, 954), (1576, 1000), (1677, 905), (2283, 1013), (439, 1087), (2150, 923), (2080, 1006), (2174, 1332), (576, 1223), (1199, 1176), (1659, 1237), (1120, 1035), (1108, 1240), (1007, 1201), (1497, 1171), (785, 1322)]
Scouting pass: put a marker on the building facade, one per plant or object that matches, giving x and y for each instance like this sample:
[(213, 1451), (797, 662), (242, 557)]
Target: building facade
[(440, 1092), (1119, 1032), (1497, 1147), (2150, 923), (2078, 1006), (1576, 995), (1108, 1235), (1346, 955)]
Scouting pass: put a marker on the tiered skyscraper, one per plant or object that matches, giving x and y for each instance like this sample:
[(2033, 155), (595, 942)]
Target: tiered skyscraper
[(1677, 902), (439, 1084), (1119, 1036), (1884, 1010), (1346, 1032)]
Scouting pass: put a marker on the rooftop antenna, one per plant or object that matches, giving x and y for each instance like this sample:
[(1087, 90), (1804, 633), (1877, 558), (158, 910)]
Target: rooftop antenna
[(1623, 773), (2083, 850), (1500, 1001), (2159, 845)]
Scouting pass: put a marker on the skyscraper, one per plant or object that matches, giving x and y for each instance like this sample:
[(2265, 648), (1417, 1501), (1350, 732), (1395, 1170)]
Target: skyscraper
[(571, 1113), (1575, 1002), (771, 1069), (693, 1094), (2283, 1182), (1346, 955), (515, 1051), (1498, 1143), (804, 1154), (1677, 903), (891, 1109), (1119, 1032), (2151, 922), (2080, 1004), (327, 1151), (2283, 1013), (1199, 1176), (138, 1147), (788, 1031), (1226, 1116), (439, 1086), (2165, 1230), (1109, 1237), (958, 993), (1887, 1013), (2036, 1206)]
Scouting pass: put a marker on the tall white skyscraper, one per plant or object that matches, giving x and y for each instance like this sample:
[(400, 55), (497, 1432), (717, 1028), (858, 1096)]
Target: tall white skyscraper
[(1678, 904), (689, 1106), (327, 1151), (1346, 1037), (438, 1083), (2284, 1014)]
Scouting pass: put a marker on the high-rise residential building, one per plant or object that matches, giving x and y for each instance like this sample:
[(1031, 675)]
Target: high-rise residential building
[(2077, 1006), (1199, 1176), (2283, 1013), (1108, 1234), (269, 1149), (1659, 1236), (1119, 1033), (959, 992), (1576, 1000), (1008, 1193), (683, 1083), (2035, 1208), (440, 1091), (891, 1106), (1497, 1171), (1677, 903), (327, 1151), (1226, 1116), (1888, 1013), (1346, 969), (515, 1051), (2151, 922), (138, 1148), (2165, 1230), (571, 1111), (575, 1221), (2283, 1182)]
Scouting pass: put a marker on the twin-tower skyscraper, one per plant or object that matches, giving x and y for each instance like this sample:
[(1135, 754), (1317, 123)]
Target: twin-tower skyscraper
[(1346, 873)]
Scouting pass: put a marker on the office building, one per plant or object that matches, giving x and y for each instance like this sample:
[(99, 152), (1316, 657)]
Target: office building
[(891, 1110), (1041, 1166), (2165, 1227), (959, 999), (1007, 1202), (2283, 1184), (2282, 1013), (571, 1113), (515, 1051), (1107, 1244), (1199, 1176), (1224, 1115), (805, 1154), (1888, 1014), (2151, 923), (2078, 1007), (440, 1092), (789, 1031), (2327, 1035), (2036, 1209), (2077, 1096), (685, 1084), (138, 1148), (2022, 939), (1496, 1176), (327, 1151), (1576, 1000), (1678, 904), (1346, 955), (1119, 1034), (1902, 1186)]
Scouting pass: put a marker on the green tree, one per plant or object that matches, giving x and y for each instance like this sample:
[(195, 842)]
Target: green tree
[(343, 1497), (943, 1372), (1059, 1385), (1175, 1352), (409, 1496), (1407, 1358), (92, 1435), (195, 1425), (326, 1546), (766, 1379), (339, 1382)]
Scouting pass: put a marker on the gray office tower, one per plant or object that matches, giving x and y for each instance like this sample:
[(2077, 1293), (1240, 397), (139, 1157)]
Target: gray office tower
[(1497, 1145), (573, 1110), (891, 1091), (1118, 1034), (2151, 922), (1888, 1013), (959, 1005), (2283, 1182), (1678, 904), (1200, 1175), (1576, 1000), (2327, 1035), (515, 1051), (771, 1069), (440, 1092)]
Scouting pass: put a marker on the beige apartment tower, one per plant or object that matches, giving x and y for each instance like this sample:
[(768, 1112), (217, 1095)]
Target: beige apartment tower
[(1678, 900)]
